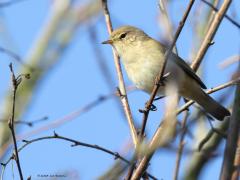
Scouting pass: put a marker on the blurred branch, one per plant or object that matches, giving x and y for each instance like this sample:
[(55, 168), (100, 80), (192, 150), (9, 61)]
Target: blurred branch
[(114, 172), (208, 144), (209, 135), (55, 36), (210, 34), (181, 145), (69, 117), (102, 63), (73, 115), (200, 158), (226, 16), (122, 90), (165, 23), (232, 137), (229, 61), (203, 18)]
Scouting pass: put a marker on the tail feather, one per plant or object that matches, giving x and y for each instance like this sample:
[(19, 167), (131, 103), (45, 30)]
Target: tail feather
[(211, 106)]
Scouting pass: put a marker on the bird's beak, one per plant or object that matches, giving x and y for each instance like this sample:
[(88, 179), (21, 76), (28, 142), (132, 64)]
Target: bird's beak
[(107, 42)]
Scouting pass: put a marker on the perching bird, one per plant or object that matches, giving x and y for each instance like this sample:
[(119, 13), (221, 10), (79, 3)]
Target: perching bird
[(142, 57)]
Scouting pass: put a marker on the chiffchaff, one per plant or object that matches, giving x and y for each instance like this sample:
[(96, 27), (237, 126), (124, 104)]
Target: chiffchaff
[(142, 58)]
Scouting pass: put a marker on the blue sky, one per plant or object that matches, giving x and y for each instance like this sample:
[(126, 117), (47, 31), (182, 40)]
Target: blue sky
[(77, 80)]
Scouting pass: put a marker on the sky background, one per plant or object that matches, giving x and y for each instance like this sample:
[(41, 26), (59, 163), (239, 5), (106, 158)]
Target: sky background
[(77, 80)]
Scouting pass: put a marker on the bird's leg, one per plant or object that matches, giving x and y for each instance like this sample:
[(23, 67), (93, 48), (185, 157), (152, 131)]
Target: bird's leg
[(163, 79)]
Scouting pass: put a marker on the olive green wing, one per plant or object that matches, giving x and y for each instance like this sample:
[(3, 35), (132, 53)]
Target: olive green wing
[(180, 62)]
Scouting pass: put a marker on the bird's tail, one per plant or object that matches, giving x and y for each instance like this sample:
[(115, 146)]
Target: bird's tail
[(211, 106)]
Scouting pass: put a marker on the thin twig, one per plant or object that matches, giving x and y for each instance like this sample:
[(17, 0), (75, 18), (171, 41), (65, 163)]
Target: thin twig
[(15, 83), (75, 143), (225, 15), (28, 123), (144, 163), (122, 88), (210, 91), (210, 34), (181, 145)]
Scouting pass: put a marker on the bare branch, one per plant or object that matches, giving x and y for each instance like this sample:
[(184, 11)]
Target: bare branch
[(122, 88), (75, 143), (210, 34), (116, 155), (226, 16)]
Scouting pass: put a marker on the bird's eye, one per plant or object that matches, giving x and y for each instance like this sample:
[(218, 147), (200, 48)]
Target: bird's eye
[(122, 36)]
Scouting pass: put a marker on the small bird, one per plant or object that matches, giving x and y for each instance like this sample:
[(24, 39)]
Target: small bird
[(142, 57)]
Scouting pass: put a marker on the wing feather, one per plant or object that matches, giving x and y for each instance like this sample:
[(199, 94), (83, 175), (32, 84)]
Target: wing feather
[(180, 62)]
